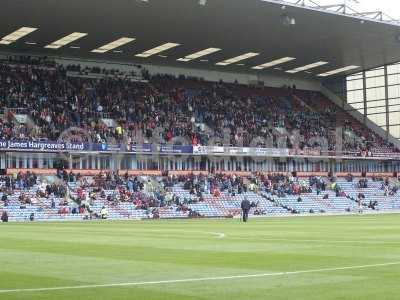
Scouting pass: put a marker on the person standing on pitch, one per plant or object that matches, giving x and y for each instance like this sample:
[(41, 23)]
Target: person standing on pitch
[(360, 204), (246, 205)]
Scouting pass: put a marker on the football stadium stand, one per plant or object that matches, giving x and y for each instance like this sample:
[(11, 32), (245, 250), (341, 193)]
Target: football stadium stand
[(69, 196), (170, 132), (41, 100)]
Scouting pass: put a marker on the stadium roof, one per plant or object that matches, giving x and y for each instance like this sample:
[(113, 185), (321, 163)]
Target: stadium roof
[(228, 35)]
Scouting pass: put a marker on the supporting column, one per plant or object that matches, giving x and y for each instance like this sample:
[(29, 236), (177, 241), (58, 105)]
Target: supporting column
[(365, 96), (386, 101)]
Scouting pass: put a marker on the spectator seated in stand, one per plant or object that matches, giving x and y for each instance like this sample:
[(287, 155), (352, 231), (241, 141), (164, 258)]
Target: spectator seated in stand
[(363, 183)]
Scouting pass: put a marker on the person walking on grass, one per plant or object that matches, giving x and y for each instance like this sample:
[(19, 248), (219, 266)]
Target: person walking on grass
[(245, 205), (4, 217), (360, 203)]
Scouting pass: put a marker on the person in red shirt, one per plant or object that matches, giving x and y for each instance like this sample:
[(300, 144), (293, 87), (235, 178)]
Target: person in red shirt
[(194, 141), (168, 136)]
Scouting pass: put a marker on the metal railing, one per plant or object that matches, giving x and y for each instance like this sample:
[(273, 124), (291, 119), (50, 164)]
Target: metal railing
[(342, 8)]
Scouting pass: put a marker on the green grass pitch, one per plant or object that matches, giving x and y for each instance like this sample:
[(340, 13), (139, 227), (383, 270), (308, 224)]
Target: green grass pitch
[(346, 257)]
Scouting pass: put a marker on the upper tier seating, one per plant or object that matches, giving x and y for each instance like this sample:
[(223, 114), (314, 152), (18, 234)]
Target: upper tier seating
[(52, 99)]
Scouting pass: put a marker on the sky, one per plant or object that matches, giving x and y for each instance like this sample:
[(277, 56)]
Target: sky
[(390, 7)]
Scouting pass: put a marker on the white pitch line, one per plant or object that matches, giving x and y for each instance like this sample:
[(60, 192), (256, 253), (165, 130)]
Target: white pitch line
[(219, 235), (140, 283), (317, 240)]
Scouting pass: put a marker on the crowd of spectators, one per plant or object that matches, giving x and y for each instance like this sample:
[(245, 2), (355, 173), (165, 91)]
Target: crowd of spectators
[(161, 109), (18, 181), (145, 193), (283, 184), (152, 194), (389, 189), (25, 182)]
